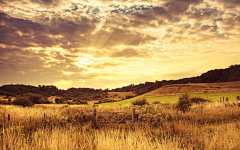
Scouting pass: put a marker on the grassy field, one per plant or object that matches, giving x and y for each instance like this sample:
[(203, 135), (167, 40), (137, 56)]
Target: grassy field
[(207, 126), (173, 99)]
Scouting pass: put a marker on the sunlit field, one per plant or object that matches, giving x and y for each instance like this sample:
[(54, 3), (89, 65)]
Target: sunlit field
[(172, 99), (157, 126)]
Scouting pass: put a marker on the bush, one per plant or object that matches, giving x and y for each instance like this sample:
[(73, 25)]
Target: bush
[(156, 102), (3, 102), (140, 102), (198, 100), (184, 102), (34, 98), (227, 99), (22, 101), (83, 102), (59, 100), (129, 96)]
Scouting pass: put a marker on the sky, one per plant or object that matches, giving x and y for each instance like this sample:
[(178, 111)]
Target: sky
[(114, 43)]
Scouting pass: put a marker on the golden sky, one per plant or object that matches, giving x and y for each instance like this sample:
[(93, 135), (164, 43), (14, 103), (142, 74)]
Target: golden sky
[(115, 43)]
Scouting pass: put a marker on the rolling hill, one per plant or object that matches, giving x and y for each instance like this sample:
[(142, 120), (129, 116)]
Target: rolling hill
[(193, 88)]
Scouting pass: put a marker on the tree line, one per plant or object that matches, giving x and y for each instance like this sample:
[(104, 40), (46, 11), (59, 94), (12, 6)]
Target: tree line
[(232, 73)]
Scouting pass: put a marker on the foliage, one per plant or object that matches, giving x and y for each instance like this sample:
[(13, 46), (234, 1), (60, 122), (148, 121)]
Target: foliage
[(129, 96), (238, 97), (198, 100), (158, 126), (184, 102), (60, 100), (22, 101), (140, 102), (218, 75), (3, 102), (227, 99)]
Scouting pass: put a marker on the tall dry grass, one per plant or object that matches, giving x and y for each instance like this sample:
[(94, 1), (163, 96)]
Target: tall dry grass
[(210, 126)]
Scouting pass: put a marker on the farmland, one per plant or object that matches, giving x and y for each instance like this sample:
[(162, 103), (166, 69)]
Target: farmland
[(170, 93), (158, 126)]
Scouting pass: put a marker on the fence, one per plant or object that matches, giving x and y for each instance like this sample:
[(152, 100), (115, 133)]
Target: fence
[(110, 118), (6, 118)]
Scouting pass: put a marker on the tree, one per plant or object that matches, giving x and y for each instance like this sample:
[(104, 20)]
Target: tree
[(22, 101), (59, 100), (184, 102)]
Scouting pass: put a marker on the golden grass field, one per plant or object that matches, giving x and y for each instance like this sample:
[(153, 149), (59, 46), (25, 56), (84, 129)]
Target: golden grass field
[(170, 93), (206, 126), (194, 88), (210, 126)]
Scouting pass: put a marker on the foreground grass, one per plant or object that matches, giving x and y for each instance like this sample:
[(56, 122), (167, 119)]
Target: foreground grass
[(210, 126)]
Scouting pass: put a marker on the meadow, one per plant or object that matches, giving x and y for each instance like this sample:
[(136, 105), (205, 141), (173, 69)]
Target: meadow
[(210, 126), (173, 99)]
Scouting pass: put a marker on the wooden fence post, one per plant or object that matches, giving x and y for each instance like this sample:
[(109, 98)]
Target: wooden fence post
[(4, 118), (8, 117), (95, 116), (133, 115)]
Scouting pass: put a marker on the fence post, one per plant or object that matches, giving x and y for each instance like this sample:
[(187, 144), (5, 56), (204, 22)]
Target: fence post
[(133, 115), (95, 116), (4, 118), (8, 118)]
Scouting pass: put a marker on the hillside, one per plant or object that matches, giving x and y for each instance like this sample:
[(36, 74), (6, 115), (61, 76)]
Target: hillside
[(232, 73), (194, 88)]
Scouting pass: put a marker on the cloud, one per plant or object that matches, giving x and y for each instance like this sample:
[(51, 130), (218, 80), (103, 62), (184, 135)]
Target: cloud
[(230, 25), (206, 15), (70, 41), (128, 53), (114, 37)]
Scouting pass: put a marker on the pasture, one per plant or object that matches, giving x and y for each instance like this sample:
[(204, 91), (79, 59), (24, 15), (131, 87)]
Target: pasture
[(209, 126), (172, 99)]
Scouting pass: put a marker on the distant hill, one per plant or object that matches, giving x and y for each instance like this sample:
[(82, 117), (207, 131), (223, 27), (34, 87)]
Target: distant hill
[(229, 74), (232, 73), (193, 88)]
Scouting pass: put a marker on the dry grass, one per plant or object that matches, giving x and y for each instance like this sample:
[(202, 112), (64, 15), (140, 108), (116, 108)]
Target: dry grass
[(193, 88), (72, 138), (210, 126)]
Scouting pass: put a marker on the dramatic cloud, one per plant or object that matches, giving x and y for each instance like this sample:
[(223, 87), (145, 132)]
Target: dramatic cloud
[(127, 53), (100, 44)]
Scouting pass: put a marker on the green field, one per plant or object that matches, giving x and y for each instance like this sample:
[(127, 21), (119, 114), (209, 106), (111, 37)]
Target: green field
[(173, 99)]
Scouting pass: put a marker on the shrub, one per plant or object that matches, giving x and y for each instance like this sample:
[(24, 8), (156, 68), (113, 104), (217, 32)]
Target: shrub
[(37, 98), (59, 100), (3, 102), (184, 102), (22, 101), (9, 101), (34, 98), (156, 102), (140, 102), (45, 101), (227, 99), (83, 102), (198, 100), (129, 96)]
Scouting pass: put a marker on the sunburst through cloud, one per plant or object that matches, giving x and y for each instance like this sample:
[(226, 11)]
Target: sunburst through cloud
[(114, 43)]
